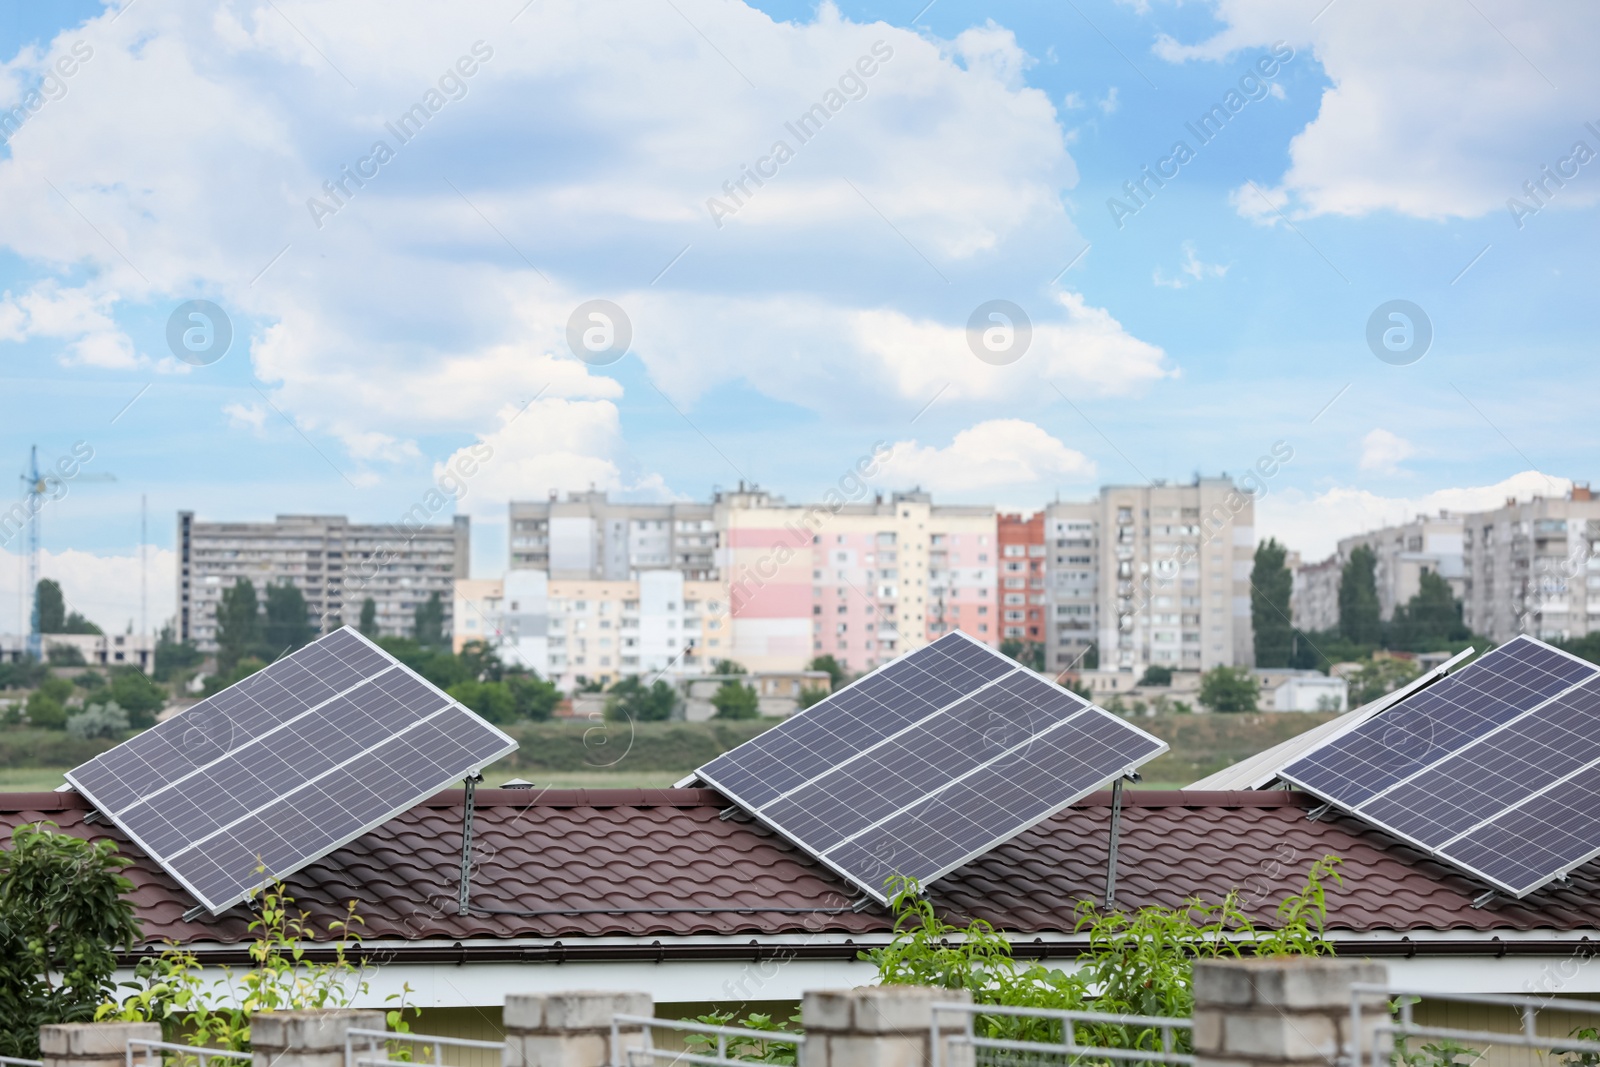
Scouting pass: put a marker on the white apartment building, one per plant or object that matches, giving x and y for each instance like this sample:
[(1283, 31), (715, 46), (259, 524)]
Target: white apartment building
[(1427, 544), (1534, 568), (1152, 575), (335, 563), (589, 536), (598, 630), (1314, 601)]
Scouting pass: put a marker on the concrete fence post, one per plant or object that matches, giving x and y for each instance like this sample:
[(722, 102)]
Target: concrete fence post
[(308, 1038), (880, 1026), (1290, 1011), (570, 1029), (92, 1044)]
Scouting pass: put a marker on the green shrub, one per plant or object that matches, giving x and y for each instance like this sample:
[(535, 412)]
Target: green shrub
[(64, 913)]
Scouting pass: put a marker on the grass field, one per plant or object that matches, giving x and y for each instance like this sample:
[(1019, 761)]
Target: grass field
[(654, 755)]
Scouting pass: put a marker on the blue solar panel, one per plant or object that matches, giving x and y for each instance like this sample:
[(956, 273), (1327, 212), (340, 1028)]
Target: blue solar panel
[(927, 762), (1481, 768), (1429, 725), (276, 771)]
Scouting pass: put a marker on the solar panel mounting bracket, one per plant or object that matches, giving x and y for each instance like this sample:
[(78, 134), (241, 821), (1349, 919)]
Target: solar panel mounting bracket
[(194, 913), (862, 904), (93, 816), (1484, 900), (1316, 813)]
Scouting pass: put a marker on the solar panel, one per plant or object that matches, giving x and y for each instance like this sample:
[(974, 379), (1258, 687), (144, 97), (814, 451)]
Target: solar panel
[(927, 762), (1481, 768), (279, 770)]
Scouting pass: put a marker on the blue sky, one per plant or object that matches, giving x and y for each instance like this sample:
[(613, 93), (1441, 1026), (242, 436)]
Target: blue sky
[(580, 159)]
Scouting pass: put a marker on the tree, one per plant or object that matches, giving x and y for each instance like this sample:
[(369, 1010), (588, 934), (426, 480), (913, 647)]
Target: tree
[(728, 666), (1430, 620), (437, 665), (631, 699), (831, 665), (216, 683), (493, 700), (98, 720), (1028, 653), (811, 694), (735, 700), (1358, 598), (535, 698), (239, 632), (1270, 586), (481, 661), (77, 624), (1154, 675), (173, 655), (46, 708), (51, 606), (1229, 689), (64, 913), (288, 624), (1379, 676), (137, 695), (428, 628), (369, 618), (59, 655)]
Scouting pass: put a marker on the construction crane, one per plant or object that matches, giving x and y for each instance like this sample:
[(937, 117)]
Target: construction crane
[(36, 487)]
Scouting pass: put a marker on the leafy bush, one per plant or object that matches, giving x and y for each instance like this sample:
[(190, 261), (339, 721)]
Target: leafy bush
[(492, 700), (735, 700), (633, 701), (811, 694), (63, 914), (98, 720), (47, 748), (1138, 963), (751, 1048), (1229, 689), (169, 989)]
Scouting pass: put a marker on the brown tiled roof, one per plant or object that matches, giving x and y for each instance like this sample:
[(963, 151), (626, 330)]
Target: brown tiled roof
[(650, 864)]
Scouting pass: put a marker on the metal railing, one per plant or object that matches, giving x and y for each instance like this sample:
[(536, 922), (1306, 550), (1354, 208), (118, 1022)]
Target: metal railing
[(378, 1041), (157, 1053), (1401, 1024), (12, 1061), (1070, 1050), (649, 1055)]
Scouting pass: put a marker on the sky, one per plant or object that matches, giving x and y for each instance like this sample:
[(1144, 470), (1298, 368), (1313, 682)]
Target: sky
[(289, 257)]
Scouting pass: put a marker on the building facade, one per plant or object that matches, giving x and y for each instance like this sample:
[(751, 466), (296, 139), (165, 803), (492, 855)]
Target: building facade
[(1155, 575), (589, 536), (862, 582), (1022, 596), (336, 564), (1314, 600), (1404, 553), (1533, 568), (572, 631)]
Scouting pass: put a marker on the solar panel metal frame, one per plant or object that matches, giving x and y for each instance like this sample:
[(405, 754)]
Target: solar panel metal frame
[(1440, 850), (219, 906), (876, 892)]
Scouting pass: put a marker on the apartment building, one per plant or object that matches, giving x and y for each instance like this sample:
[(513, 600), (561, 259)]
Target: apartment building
[(568, 631), (1533, 567), (863, 582), (336, 564), (1152, 575), (1023, 599), (1314, 600), (589, 536), (1404, 553)]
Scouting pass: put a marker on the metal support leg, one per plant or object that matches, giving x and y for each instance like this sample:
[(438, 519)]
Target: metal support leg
[(1111, 856), (467, 804)]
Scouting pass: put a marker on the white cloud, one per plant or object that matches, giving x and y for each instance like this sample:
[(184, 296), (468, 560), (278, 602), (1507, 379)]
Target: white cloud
[(811, 347), (1384, 451), (196, 135), (1108, 104), (1191, 269), (549, 446), (104, 587), (1434, 111), (1074, 102), (997, 453), (1314, 524), (252, 417), (81, 318)]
